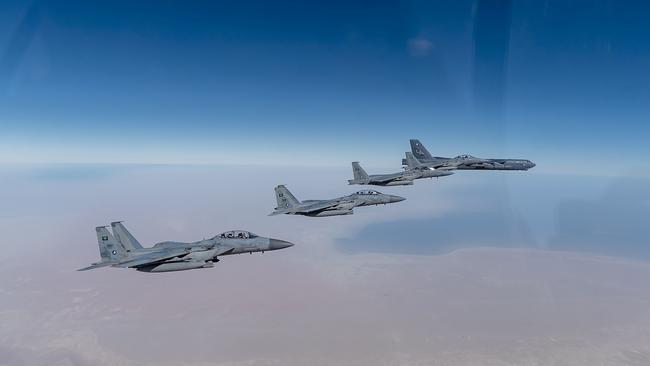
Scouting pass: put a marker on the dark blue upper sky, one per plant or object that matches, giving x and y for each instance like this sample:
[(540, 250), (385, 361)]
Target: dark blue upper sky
[(238, 81)]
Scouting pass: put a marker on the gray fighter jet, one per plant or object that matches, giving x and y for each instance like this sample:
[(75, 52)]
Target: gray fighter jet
[(288, 204), (465, 162), (121, 249), (414, 170)]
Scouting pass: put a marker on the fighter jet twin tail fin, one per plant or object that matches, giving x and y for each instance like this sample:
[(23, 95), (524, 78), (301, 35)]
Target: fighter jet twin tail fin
[(419, 151), (412, 162), (285, 199), (111, 249), (360, 175)]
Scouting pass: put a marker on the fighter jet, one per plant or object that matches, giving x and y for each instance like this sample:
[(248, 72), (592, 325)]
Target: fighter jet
[(465, 162), (288, 204), (414, 170), (121, 249)]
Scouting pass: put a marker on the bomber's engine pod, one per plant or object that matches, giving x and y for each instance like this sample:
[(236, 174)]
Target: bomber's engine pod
[(176, 266), (334, 213)]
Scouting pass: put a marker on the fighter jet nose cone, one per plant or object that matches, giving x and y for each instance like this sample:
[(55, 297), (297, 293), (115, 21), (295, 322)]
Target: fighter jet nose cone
[(275, 244), (531, 164), (397, 199)]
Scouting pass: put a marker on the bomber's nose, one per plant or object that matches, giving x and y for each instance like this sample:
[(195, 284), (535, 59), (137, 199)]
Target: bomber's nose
[(531, 164), (396, 199), (275, 244)]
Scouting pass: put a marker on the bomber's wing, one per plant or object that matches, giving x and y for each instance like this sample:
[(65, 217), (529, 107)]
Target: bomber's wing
[(494, 163), (478, 163), (153, 257), (483, 165)]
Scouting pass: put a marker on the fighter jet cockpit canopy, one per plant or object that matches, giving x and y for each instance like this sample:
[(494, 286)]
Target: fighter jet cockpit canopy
[(236, 234), (367, 192)]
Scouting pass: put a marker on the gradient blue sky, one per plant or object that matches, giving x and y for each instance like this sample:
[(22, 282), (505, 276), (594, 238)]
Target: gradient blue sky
[(289, 82)]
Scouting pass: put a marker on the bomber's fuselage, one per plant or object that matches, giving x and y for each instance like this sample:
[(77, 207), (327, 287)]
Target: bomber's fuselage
[(472, 163)]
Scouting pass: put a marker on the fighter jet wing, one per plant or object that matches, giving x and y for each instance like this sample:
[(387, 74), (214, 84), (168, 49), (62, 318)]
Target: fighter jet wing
[(438, 165), (390, 177), (328, 205), (313, 206), (449, 166), (97, 265), (344, 205), (154, 257)]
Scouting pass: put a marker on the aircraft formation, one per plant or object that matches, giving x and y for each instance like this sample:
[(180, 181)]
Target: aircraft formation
[(121, 249), (418, 164)]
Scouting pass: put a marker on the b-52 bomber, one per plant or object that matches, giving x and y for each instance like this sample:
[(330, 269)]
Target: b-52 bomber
[(465, 162), (414, 170), (288, 204), (121, 249)]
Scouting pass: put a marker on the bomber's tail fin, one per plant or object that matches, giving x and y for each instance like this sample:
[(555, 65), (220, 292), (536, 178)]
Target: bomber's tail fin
[(359, 173), (110, 249), (124, 237), (412, 162), (285, 198), (419, 151)]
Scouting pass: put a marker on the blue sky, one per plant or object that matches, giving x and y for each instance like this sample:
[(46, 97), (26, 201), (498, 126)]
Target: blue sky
[(324, 82)]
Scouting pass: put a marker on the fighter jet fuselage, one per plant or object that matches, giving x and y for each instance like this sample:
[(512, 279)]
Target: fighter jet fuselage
[(411, 173), (121, 249), (288, 204)]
